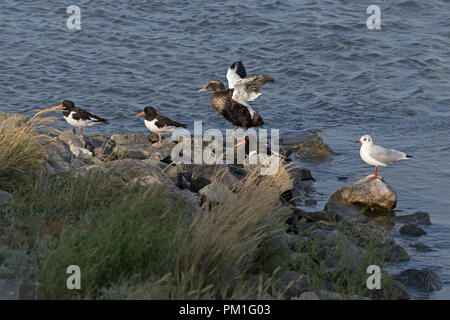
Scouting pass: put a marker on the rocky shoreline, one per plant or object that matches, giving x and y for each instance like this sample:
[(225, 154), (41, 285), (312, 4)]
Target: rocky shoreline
[(354, 224)]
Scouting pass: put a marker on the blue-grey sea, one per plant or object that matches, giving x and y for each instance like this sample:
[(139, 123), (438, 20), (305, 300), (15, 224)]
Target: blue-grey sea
[(333, 75)]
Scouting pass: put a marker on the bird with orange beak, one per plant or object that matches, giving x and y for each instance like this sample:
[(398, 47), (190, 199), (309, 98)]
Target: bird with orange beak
[(77, 117), (158, 123)]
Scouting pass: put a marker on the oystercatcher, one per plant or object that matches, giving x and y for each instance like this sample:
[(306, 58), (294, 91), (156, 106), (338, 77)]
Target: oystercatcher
[(378, 156), (159, 124), (77, 117), (232, 103)]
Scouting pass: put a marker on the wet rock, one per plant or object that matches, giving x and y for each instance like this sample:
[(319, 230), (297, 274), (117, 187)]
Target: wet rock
[(316, 216), (417, 217), (309, 146), (216, 192), (393, 252), (4, 197), (421, 247), (15, 289), (340, 211), (412, 229), (372, 194), (425, 279), (133, 139)]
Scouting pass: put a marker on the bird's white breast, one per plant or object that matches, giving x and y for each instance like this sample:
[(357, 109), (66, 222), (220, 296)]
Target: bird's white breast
[(78, 123), (364, 153), (151, 125)]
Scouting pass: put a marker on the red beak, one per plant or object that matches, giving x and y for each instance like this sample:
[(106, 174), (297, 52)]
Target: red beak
[(358, 141)]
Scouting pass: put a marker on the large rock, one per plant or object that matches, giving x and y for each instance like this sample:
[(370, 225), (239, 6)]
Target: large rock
[(393, 252), (373, 194), (100, 145), (59, 155), (418, 217), (412, 229), (334, 246), (421, 247), (425, 279), (309, 145), (133, 139), (339, 211)]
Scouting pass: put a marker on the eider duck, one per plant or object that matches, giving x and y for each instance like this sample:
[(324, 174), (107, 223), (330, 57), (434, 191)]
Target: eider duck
[(77, 117), (159, 124), (232, 103)]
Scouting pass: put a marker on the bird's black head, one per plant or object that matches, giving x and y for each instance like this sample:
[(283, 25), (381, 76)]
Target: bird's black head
[(150, 112), (67, 105)]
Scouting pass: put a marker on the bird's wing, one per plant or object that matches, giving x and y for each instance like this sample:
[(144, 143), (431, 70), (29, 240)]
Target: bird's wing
[(235, 73), (248, 89), (166, 122), (85, 115), (384, 155)]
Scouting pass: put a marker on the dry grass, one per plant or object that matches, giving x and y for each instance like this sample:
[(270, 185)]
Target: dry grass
[(217, 249), (20, 150)]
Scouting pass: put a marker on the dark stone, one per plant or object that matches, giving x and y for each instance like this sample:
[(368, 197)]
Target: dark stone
[(316, 216), (198, 184), (421, 247), (309, 145), (418, 218), (344, 211), (425, 279), (412, 229), (393, 252)]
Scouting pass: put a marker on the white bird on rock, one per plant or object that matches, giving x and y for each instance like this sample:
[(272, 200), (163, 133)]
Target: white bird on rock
[(378, 156)]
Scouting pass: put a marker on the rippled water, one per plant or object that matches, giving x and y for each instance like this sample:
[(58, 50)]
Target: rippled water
[(332, 75)]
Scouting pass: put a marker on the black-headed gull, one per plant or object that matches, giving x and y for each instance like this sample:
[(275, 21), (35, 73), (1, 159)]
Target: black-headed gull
[(378, 156)]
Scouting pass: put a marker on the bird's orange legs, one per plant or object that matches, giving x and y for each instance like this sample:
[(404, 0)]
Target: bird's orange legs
[(375, 176)]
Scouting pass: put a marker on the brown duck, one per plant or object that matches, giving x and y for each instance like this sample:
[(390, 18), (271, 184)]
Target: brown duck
[(232, 103)]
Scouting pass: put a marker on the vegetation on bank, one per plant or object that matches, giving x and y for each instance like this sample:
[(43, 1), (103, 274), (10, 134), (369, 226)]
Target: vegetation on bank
[(139, 243)]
